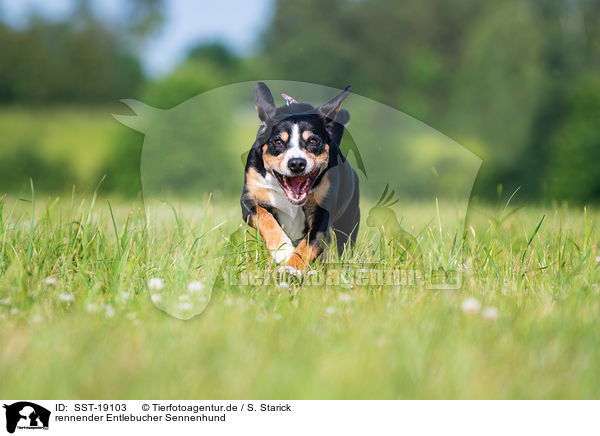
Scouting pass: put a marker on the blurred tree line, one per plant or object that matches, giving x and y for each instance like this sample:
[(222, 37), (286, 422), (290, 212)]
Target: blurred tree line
[(78, 59), (517, 82)]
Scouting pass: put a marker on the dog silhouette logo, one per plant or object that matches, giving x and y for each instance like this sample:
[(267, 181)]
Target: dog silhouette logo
[(26, 415), (391, 234), (198, 149)]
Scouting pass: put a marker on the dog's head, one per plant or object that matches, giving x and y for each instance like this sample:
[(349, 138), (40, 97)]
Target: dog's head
[(297, 141)]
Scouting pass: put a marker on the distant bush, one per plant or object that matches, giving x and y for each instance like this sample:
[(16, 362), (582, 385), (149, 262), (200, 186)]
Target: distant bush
[(574, 168), (65, 62), (24, 162), (190, 79), (122, 165)]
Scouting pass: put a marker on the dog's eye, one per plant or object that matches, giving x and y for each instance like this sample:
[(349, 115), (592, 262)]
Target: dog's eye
[(277, 141), (313, 140)]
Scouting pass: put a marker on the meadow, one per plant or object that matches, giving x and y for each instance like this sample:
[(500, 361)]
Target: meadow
[(105, 296), (82, 281)]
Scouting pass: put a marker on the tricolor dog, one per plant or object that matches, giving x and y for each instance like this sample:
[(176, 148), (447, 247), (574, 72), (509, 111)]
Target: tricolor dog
[(298, 186)]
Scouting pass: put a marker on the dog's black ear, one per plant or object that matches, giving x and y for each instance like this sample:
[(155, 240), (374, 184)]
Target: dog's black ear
[(332, 107), (263, 99), (334, 117)]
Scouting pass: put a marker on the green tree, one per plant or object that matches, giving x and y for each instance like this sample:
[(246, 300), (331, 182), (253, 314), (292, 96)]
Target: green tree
[(573, 171), (78, 59)]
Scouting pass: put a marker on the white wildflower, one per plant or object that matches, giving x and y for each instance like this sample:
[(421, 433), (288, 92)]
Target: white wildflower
[(345, 298), (597, 259), (490, 313), (125, 295), (6, 301), (470, 305), (185, 306), (50, 281), (330, 311), (109, 311), (66, 297), (195, 287), (91, 308), (14, 311), (156, 284), (284, 285), (277, 316), (156, 298)]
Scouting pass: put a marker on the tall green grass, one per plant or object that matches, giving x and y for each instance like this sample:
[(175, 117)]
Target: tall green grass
[(77, 319)]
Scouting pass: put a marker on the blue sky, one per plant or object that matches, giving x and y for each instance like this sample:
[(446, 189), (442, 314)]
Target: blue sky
[(235, 22)]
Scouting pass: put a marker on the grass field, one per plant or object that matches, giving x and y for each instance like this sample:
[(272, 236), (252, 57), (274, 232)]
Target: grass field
[(77, 320)]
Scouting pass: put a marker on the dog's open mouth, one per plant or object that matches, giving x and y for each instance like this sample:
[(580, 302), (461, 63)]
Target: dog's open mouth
[(296, 187)]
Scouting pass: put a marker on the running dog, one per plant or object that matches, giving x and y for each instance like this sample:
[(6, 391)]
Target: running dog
[(298, 187)]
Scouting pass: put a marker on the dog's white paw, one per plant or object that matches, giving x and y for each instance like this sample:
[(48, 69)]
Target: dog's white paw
[(283, 253), (283, 269)]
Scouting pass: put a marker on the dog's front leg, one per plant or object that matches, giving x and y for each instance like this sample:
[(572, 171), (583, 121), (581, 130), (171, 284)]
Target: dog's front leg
[(278, 243), (312, 245)]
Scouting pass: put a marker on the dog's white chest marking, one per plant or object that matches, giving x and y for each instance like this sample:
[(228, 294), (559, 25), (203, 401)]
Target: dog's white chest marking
[(290, 217), (292, 225)]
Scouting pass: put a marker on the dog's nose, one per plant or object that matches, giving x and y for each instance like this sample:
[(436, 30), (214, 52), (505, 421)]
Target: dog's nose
[(297, 164)]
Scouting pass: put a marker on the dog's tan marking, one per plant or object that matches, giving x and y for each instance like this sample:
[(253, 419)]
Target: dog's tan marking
[(304, 255), (269, 229), (271, 162), (253, 185), (320, 192), (285, 136), (306, 134), (322, 159)]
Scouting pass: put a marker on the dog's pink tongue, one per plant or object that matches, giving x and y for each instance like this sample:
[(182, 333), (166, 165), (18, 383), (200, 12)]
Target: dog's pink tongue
[(295, 183)]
